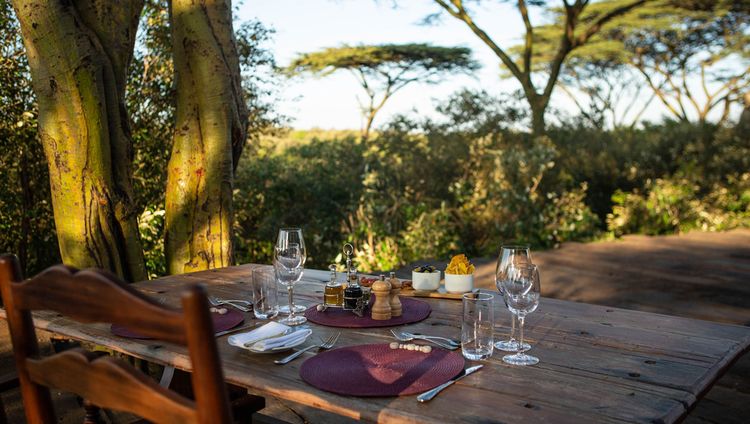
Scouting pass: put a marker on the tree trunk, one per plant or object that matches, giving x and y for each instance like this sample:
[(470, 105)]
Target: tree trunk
[(78, 54), (538, 105), (538, 126), (210, 130)]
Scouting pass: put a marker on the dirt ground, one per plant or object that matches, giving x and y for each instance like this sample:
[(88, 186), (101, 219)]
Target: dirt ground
[(697, 275)]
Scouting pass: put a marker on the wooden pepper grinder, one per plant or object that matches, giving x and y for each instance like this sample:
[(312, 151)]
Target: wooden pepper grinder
[(381, 309), (394, 300)]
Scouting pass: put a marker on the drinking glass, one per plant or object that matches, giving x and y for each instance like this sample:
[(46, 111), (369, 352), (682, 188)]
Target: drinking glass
[(477, 326), (292, 235), (265, 293), (510, 256), (289, 260), (521, 296)]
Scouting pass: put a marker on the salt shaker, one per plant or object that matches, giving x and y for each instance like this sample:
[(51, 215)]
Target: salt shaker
[(381, 309), (395, 302)]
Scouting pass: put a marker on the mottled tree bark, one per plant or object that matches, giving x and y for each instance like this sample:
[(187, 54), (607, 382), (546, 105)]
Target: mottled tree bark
[(78, 52), (210, 130)]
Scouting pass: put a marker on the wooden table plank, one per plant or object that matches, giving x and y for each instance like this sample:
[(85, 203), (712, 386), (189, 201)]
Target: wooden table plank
[(597, 363)]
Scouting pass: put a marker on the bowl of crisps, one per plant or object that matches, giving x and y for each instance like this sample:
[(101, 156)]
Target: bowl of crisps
[(459, 275)]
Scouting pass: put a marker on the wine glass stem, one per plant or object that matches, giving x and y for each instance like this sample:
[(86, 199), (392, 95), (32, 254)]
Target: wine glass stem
[(291, 301), (520, 330), (512, 327)]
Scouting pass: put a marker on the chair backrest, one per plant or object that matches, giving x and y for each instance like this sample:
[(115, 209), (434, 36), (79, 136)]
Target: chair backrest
[(98, 296)]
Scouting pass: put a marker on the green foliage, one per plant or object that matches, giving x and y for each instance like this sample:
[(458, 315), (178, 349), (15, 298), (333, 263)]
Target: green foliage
[(151, 228), (708, 190), (677, 204), (26, 223), (468, 180), (314, 185)]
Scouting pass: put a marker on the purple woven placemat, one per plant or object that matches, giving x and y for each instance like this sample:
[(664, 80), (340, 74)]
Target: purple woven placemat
[(412, 311), (377, 370), (221, 323)]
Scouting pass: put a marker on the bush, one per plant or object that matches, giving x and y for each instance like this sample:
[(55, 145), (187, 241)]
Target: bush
[(676, 204)]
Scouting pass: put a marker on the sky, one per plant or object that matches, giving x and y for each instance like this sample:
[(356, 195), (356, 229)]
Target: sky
[(331, 102)]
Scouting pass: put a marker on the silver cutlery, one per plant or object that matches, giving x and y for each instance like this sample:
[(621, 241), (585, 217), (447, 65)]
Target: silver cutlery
[(234, 330), (246, 302), (327, 344), (402, 337), (214, 301), (428, 395), (426, 337)]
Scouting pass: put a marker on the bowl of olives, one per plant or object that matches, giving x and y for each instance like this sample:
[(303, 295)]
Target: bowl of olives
[(425, 278)]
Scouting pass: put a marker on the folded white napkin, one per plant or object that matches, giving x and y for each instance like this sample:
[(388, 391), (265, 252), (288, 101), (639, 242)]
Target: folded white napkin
[(267, 331), (287, 340)]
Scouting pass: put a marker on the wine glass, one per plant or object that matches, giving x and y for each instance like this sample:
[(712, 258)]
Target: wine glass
[(521, 295), (289, 261), (286, 236), (510, 256)]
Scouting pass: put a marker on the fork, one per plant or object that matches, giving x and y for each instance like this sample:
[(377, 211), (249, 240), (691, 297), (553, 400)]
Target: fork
[(327, 344), (426, 337), (214, 301), (402, 337)]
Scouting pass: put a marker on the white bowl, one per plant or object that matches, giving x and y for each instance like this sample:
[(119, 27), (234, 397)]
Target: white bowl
[(459, 283), (425, 281)]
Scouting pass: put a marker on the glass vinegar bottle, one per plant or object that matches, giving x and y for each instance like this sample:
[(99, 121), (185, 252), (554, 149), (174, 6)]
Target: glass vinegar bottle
[(353, 291)]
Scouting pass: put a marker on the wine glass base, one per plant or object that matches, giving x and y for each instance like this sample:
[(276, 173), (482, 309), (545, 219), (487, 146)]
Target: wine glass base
[(298, 309), (520, 359), (511, 346), (295, 320)]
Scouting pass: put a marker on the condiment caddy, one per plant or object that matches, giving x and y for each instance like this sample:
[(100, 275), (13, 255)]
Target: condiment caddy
[(356, 298)]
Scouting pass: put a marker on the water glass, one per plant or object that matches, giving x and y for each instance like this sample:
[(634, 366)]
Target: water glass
[(265, 294), (477, 326)]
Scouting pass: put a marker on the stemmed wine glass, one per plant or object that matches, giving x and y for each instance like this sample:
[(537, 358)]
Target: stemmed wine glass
[(521, 295), (289, 262), (511, 256)]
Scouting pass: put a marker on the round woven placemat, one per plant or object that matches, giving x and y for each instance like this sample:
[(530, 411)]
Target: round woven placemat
[(413, 310), (377, 370), (224, 322)]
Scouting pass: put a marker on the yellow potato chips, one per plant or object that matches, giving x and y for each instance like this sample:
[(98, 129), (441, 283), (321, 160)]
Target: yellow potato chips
[(460, 265)]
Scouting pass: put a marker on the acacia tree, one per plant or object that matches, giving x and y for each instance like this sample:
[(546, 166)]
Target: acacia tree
[(382, 70), (612, 93), (78, 56), (691, 55), (693, 42), (210, 130), (575, 32)]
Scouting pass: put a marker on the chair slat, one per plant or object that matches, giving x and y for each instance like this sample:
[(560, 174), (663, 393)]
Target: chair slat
[(99, 296), (111, 383), (93, 296)]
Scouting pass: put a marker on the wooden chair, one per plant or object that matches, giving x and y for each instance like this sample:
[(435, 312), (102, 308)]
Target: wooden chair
[(96, 296)]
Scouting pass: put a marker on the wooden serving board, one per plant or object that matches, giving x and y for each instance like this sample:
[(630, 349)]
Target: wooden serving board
[(436, 294), (440, 293)]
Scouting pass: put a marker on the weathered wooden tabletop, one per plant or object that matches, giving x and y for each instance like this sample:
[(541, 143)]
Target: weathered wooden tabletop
[(597, 364)]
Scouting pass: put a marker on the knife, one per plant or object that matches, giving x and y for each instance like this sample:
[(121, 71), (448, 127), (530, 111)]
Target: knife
[(428, 395), (236, 329)]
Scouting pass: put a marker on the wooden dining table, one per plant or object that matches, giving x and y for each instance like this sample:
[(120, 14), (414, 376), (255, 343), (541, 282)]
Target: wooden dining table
[(597, 363)]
